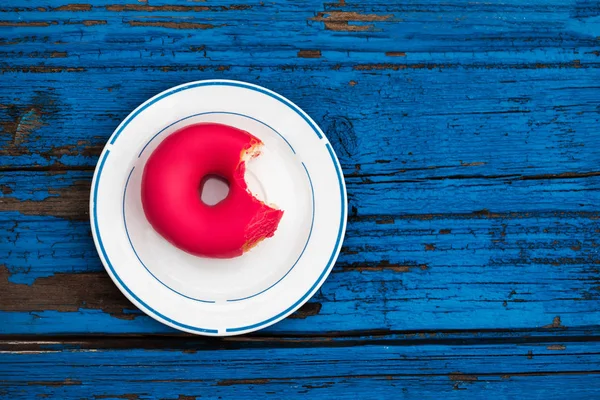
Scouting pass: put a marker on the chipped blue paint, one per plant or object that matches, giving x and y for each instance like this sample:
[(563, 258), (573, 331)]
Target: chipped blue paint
[(554, 370), (469, 138), (96, 226)]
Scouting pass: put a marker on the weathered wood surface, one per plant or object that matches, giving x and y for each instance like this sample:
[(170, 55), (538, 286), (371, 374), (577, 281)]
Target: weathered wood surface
[(361, 369), (468, 134), (444, 270)]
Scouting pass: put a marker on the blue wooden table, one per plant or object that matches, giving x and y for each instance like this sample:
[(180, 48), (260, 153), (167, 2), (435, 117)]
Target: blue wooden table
[(469, 136)]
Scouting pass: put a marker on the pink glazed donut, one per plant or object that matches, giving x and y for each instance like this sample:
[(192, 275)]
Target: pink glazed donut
[(171, 188)]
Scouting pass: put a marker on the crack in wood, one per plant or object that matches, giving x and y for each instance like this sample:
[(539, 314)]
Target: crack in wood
[(479, 214), (437, 66), (27, 23), (230, 382), (174, 8), (171, 25), (309, 53), (460, 377), (384, 265), (340, 20), (74, 7), (66, 382), (40, 69)]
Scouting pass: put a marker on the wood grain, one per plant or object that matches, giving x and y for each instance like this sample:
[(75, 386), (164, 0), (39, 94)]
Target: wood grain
[(444, 270), (167, 33), (406, 124), (503, 371), (468, 135)]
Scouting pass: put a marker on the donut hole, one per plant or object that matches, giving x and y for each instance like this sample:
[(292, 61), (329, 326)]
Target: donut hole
[(214, 189)]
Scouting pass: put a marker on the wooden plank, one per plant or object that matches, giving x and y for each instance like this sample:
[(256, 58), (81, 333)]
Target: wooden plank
[(396, 124), (535, 266), (54, 34), (555, 370)]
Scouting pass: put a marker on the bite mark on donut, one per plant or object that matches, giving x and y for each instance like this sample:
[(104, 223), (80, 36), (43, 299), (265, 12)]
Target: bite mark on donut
[(266, 221), (262, 226)]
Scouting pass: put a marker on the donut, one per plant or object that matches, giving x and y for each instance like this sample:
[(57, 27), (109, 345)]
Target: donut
[(172, 182)]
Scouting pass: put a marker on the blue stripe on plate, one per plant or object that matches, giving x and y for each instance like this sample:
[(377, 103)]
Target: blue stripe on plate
[(305, 245), (110, 266), (340, 183), (218, 83), (138, 257), (329, 263), (215, 112)]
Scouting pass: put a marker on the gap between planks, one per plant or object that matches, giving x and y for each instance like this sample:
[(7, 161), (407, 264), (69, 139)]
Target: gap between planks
[(184, 342)]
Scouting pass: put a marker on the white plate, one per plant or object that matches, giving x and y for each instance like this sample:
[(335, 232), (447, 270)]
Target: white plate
[(297, 171)]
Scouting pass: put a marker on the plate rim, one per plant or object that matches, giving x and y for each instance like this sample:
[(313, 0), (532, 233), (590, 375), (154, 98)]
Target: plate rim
[(138, 302)]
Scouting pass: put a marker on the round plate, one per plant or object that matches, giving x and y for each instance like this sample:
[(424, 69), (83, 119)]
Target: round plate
[(297, 171)]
